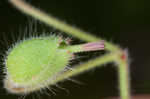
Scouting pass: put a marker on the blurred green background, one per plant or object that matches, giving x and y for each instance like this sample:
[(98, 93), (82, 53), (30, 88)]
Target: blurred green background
[(123, 22)]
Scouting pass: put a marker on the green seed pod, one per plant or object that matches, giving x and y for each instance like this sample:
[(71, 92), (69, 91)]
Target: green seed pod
[(34, 63)]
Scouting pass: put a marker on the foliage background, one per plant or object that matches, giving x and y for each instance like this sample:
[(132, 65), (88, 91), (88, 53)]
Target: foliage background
[(124, 22)]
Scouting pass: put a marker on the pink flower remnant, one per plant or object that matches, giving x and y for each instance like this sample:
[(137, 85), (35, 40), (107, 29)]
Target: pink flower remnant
[(94, 46)]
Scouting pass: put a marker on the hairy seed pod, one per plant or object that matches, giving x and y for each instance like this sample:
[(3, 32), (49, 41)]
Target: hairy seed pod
[(33, 63)]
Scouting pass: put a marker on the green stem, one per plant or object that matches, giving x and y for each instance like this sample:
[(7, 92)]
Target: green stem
[(98, 62), (124, 79), (52, 21)]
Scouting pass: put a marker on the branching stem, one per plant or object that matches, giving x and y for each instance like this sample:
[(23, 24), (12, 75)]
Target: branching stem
[(115, 54)]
